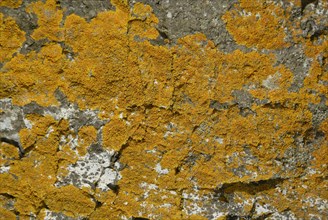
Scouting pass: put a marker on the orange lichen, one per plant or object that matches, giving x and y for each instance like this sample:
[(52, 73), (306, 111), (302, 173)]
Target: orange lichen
[(70, 201), (6, 214), (142, 22), (314, 82), (257, 24), (7, 152), (33, 77), (89, 81), (11, 3), (176, 114), (115, 134), (49, 19), (11, 38), (87, 136)]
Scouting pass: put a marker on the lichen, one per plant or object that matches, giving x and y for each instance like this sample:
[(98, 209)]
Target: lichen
[(257, 24), (11, 38), (33, 77), (49, 20), (185, 130), (11, 3)]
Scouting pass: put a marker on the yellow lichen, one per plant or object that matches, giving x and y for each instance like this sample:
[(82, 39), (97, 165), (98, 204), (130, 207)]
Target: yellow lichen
[(116, 134), (49, 19), (33, 77), (142, 22), (7, 152), (11, 38), (70, 201), (257, 24), (11, 3), (175, 114), (6, 214), (87, 136)]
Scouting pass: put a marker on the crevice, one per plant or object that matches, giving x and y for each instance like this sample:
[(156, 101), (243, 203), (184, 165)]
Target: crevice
[(42, 206), (251, 187), (114, 187), (7, 195), (30, 148), (304, 3), (139, 218)]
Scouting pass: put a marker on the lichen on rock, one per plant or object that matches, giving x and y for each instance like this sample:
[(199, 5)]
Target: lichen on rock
[(108, 116)]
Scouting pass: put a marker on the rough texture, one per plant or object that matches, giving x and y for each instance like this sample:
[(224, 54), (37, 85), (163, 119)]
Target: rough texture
[(163, 109)]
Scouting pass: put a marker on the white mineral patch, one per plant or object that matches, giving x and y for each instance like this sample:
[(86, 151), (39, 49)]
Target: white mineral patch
[(5, 123), (4, 169), (218, 140), (109, 176), (317, 203), (271, 82), (192, 208), (49, 131), (28, 124), (50, 215), (283, 216), (260, 210), (92, 169), (72, 142), (64, 113), (161, 171), (147, 188), (217, 215)]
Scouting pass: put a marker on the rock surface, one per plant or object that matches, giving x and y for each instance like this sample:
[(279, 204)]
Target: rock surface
[(151, 109)]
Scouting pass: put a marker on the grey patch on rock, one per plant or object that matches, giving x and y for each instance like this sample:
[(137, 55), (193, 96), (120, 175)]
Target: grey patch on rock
[(295, 60), (10, 202), (211, 205), (286, 214), (32, 45), (218, 105), (319, 111), (180, 18), (11, 120), (33, 108), (298, 158), (70, 111), (243, 98), (84, 8)]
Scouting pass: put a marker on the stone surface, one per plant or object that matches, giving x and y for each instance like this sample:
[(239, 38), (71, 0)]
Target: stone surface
[(148, 109)]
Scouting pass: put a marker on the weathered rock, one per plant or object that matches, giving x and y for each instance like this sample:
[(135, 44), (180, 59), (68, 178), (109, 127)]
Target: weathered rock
[(163, 109)]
